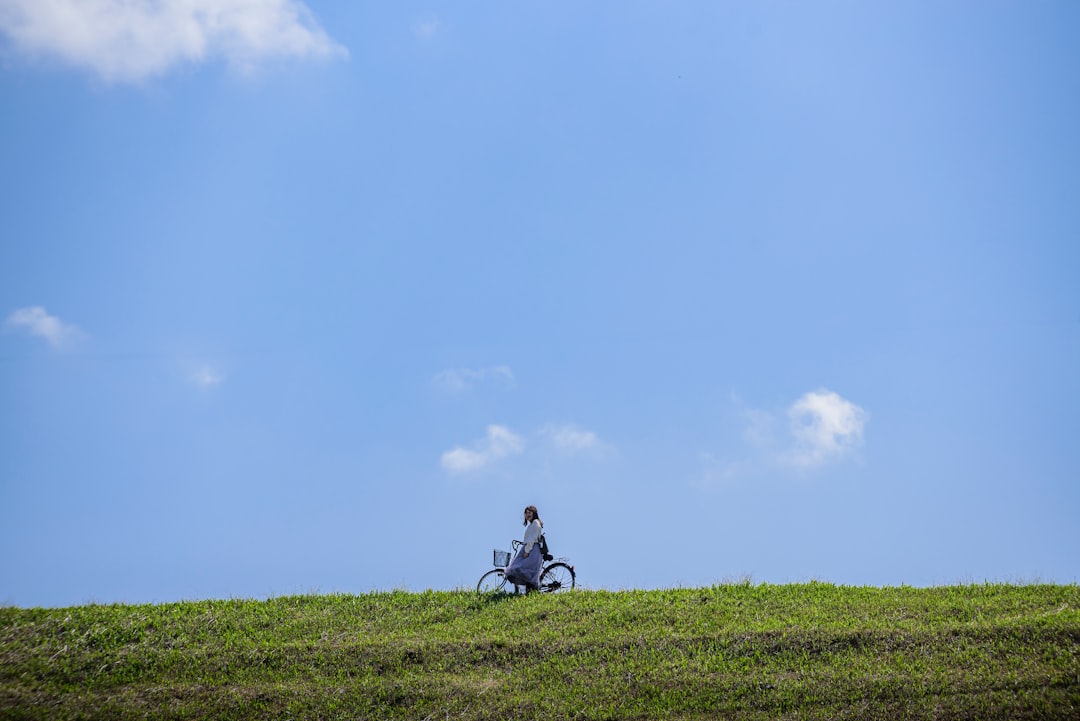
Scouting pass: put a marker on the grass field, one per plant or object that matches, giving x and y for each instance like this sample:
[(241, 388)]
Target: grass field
[(738, 651)]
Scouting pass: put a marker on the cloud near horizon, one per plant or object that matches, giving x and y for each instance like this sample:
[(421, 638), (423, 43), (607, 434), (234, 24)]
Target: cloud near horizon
[(500, 442), (132, 40), (36, 320)]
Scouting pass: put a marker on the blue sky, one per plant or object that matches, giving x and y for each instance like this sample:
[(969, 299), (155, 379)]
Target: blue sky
[(316, 297)]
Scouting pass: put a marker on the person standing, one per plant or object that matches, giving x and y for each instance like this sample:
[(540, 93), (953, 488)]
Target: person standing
[(524, 570)]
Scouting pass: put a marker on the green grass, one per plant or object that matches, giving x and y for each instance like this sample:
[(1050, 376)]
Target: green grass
[(733, 651)]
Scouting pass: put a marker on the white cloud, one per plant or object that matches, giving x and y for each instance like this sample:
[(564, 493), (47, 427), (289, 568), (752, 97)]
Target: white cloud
[(825, 427), (499, 443), (568, 439), (131, 40), (458, 380), (37, 321), (571, 438), (822, 428)]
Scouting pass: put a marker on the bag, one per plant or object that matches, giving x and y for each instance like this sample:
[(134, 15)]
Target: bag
[(544, 548)]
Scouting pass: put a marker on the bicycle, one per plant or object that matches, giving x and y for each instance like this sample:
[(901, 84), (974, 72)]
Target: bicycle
[(555, 577)]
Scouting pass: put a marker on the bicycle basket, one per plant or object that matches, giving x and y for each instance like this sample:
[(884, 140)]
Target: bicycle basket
[(502, 558)]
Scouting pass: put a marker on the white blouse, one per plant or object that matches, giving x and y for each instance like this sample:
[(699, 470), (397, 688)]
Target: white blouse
[(532, 534)]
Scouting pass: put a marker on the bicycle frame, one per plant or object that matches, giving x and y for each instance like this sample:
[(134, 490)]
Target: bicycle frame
[(556, 574)]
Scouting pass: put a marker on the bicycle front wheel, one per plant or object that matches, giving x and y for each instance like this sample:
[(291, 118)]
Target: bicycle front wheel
[(557, 577), (491, 582)]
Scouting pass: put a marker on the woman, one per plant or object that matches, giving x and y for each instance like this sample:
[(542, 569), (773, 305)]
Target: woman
[(524, 570)]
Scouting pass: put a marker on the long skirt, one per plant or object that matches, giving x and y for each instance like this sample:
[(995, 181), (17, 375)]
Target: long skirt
[(526, 571)]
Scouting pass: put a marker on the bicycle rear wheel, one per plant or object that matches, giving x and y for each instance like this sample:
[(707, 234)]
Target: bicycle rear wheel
[(557, 577), (491, 582)]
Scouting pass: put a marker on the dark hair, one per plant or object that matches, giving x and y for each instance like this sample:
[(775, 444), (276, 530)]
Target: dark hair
[(536, 516)]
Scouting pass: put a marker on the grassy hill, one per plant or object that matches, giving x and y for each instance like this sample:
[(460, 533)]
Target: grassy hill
[(733, 651)]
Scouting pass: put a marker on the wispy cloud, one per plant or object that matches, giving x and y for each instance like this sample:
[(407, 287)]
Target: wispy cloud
[(825, 427), (499, 443), (459, 380), (568, 439), (563, 442), (427, 28), (36, 321), (207, 377), (760, 430), (716, 473), (571, 438), (822, 428), (131, 40)]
